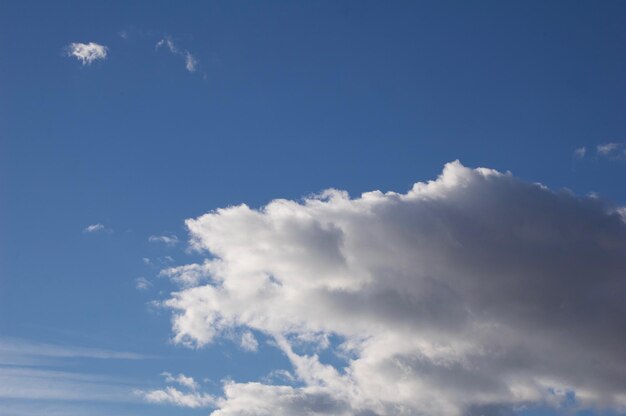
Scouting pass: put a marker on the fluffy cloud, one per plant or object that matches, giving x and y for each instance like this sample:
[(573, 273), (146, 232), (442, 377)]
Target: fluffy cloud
[(471, 294), (87, 52)]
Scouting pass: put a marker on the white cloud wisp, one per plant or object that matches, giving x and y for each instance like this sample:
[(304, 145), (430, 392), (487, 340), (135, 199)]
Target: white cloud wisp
[(191, 63), (87, 52), (612, 150), (468, 295), (189, 397)]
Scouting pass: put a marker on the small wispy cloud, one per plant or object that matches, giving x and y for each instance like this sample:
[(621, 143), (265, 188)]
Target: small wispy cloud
[(96, 228), (181, 379), (170, 240), (87, 52), (188, 274), (249, 342), (191, 63), (15, 348), (189, 396), (158, 261), (580, 152), (141, 283), (612, 150)]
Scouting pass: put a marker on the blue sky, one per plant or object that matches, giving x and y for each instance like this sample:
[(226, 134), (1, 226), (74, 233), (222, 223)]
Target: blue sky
[(186, 109)]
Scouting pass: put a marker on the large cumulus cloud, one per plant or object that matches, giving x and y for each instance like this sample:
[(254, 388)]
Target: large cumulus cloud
[(474, 293)]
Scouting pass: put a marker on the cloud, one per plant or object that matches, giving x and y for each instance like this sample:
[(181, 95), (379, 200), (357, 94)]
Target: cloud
[(87, 52), (17, 347), (181, 379), (29, 379), (170, 240), (22, 383), (269, 400), (612, 150), (141, 283), (580, 152), (189, 274), (471, 294), (191, 63), (249, 342), (95, 228), (171, 395)]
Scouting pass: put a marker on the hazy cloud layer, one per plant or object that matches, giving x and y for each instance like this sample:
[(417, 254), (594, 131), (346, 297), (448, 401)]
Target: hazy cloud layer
[(470, 294), (30, 383), (87, 52)]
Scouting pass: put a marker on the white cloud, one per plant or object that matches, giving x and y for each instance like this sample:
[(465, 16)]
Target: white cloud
[(580, 152), (141, 283), (170, 240), (467, 295), (29, 379), (23, 383), (87, 52), (191, 63), (181, 379), (171, 395), (249, 342), (612, 150), (167, 41), (94, 228), (189, 274), (14, 348)]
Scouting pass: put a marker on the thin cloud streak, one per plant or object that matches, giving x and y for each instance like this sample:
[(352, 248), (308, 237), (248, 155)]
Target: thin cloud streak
[(191, 63), (16, 347)]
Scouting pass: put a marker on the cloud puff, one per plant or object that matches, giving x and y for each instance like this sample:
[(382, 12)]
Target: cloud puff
[(191, 63), (612, 150), (94, 228), (170, 240), (181, 379), (87, 52), (171, 395), (470, 294)]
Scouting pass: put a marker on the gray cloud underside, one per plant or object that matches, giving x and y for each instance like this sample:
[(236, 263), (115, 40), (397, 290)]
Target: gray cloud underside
[(471, 294)]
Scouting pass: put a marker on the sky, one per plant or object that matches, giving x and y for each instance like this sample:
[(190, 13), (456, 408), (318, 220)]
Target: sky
[(236, 208)]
